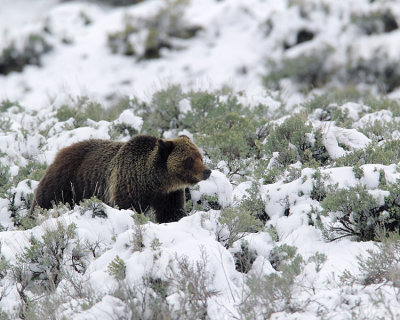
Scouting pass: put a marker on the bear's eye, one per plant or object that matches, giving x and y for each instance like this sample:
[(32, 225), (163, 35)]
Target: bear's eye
[(188, 163)]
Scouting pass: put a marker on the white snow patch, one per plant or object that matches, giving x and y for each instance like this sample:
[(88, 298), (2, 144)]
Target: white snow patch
[(128, 118), (217, 184)]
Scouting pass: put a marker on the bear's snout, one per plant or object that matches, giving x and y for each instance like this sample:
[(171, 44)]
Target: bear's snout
[(206, 174)]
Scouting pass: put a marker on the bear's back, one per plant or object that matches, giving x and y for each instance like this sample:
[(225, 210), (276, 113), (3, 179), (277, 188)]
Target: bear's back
[(77, 172)]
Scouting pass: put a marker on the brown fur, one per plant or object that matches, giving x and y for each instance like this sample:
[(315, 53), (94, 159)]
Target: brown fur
[(145, 172)]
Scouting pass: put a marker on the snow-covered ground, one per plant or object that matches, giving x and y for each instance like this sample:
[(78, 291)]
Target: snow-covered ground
[(230, 39), (235, 42)]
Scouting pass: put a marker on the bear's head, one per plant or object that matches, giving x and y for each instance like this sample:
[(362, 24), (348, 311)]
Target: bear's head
[(184, 161)]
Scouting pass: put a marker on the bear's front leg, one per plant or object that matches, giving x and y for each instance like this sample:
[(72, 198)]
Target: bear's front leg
[(170, 207)]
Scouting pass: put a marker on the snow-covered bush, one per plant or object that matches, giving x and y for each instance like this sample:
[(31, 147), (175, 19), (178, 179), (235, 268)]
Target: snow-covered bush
[(244, 258), (309, 70), (384, 153), (192, 282), (381, 264), (375, 22), (312, 70), (4, 179), (14, 56), (253, 203), (117, 268), (356, 212), (280, 185), (43, 261), (40, 266), (276, 291), (81, 109), (162, 113), (188, 286), (146, 37), (234, 224), (93, 205), (317, 159), (289, 142), (229, 132)]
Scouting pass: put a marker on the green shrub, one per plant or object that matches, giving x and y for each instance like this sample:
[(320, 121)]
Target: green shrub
[(330, 101), (145, 300), (319, 260), (82, 108), (375, 153), (122, 129), (4, 267), (273, 232), (193, 283), (352, 210), (283, 255), (377, 103), (292, 131), (163, 112), (117, 268), (94, 205), (4, 315), (275, 292), (138, 237), (42, 263), (230, 138), (244, 258), (254, 204), (18, 213), (81, 111), (5, 125), (293, 140), (5, 182), (227, 130), (190, 282), (7, 104), (379, 265), (319, 190), (357, 213), (308, 71), (234, 224), (358, 172), (34, 170), (382, 264), (40, 268), (379, 130)]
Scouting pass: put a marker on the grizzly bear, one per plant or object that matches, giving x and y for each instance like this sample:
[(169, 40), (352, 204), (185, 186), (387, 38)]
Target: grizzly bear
[(145, 172)]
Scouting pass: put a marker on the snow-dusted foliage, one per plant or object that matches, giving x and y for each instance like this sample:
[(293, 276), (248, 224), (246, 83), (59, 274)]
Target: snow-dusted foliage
[(294, 106)]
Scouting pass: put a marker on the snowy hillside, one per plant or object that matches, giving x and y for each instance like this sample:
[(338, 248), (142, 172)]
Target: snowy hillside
[(294, 105)]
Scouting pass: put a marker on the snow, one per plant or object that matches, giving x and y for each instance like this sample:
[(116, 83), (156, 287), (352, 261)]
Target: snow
[(217, 184), (383, 116), (92, 71), (128, 118), (231, 49)]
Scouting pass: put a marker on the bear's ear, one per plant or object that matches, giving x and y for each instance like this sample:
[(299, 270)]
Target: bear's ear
[(184, 136), (165, 147)]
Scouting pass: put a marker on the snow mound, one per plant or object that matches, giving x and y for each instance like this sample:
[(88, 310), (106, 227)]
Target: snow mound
[(217, 184)]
